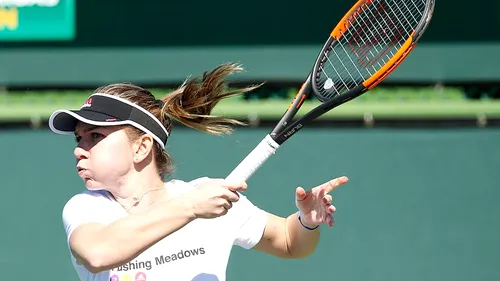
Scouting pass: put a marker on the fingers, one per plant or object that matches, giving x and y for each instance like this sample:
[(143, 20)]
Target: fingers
[(230, 196), (327, 199), (331, 209), (333, 184), (330, 220), (227, 204)]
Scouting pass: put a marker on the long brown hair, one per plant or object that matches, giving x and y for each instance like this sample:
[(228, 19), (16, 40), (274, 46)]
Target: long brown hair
[(191, 104)]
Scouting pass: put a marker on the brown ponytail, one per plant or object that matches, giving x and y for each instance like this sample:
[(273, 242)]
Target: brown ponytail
[(192, 103)]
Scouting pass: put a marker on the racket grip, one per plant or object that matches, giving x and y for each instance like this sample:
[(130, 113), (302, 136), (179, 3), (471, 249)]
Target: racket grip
[(254, 160)]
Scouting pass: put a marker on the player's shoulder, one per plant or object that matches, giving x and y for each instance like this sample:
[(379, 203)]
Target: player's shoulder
[(198, 181), (90, 195), (177, 186), (87, 198)]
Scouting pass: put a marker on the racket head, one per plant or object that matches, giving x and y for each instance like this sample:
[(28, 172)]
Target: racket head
[(368, 44)]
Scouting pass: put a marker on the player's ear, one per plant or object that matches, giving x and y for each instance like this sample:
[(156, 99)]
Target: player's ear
[(142, 147)]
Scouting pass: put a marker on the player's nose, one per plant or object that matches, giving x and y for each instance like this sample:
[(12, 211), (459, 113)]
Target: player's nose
[(80, 153)]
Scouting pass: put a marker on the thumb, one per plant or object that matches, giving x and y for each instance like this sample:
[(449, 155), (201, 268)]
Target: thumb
[(236, 186), (300, 194)]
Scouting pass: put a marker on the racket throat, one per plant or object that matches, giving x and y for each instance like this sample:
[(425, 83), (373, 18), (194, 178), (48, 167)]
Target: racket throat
[(295, 127), (284, 123)]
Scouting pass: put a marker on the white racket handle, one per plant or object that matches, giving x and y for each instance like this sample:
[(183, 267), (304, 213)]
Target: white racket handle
[(254, 160)]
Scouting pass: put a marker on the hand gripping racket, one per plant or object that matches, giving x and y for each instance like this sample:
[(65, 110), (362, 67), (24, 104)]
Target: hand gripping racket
[(368, 43)]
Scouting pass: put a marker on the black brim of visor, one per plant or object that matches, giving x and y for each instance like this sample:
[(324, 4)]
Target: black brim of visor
[(64, 121)]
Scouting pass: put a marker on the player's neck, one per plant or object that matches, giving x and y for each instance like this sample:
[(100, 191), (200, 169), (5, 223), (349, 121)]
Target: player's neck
[(138, 191)]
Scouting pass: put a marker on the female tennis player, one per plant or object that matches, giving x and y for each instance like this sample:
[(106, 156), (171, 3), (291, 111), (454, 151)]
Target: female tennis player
[(131, 224)]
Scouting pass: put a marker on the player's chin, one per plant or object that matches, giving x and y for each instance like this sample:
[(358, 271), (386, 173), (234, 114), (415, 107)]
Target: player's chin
[(91, 184)]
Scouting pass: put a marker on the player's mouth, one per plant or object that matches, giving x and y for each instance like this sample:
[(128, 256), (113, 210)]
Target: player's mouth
[(80, 170)]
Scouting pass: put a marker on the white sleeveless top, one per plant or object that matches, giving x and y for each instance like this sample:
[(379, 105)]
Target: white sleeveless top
[(197, 252)]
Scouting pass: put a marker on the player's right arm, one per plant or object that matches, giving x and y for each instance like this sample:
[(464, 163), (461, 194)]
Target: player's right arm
[(100, 247)]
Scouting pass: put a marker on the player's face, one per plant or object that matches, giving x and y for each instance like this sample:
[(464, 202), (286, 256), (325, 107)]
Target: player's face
[(104, 155)]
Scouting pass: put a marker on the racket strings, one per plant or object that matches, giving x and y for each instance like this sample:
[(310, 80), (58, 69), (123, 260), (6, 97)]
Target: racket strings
[(374, 34)]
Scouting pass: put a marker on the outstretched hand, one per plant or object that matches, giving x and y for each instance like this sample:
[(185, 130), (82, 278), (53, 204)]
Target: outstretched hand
[(315, 205)]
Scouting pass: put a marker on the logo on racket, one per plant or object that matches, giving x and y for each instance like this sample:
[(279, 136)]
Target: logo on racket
[(293, 130)]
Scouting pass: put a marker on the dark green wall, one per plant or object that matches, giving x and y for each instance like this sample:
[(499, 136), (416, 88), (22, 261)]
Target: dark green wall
[(421, 204), (257, 22), (163, 42)]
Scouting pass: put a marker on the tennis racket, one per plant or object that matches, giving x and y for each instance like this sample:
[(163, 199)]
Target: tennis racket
[(367, 45)]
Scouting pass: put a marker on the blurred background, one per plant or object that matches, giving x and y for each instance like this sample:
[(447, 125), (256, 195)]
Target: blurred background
[(421, 150)]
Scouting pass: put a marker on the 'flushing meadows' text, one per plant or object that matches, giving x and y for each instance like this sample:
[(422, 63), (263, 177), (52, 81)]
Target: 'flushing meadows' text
[(159, 260)]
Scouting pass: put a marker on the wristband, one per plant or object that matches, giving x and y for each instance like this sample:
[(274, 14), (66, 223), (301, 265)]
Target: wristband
[(306, 227)]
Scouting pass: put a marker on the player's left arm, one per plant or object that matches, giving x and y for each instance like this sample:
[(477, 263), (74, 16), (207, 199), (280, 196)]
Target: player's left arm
[(286, 238), (293, 238)]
